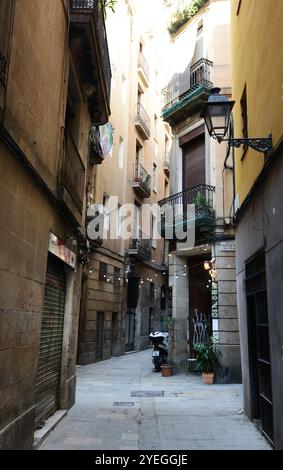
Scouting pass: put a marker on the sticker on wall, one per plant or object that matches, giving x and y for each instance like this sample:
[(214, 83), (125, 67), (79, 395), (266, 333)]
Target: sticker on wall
[(214, 294)]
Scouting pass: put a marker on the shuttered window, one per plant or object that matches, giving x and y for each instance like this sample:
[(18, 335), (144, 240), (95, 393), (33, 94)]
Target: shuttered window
[(51, 340), (194, 163)]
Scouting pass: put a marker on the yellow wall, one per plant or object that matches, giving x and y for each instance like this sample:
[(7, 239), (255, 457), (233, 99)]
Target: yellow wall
[(257, 38)]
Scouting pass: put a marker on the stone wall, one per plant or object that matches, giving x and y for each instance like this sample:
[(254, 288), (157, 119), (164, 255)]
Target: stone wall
[(104, 297), (27, 218), (225, 327)]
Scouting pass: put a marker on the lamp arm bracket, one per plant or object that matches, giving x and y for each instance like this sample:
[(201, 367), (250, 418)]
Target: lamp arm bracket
[(263, 145)]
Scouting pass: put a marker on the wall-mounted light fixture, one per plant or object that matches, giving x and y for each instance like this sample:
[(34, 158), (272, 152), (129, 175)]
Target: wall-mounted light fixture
[(217, 115)]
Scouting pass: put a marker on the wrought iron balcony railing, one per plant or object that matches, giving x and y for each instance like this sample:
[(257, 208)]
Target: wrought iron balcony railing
[(142, 122), (181, 87), (141, 181), (72, 177), (174, 209), (140, 247)]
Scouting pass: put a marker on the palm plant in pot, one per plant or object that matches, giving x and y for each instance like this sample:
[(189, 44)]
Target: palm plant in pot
[(167, 368), (207, 358)]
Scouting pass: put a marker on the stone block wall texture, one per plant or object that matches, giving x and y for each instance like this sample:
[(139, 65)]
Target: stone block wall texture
[(103, 297)]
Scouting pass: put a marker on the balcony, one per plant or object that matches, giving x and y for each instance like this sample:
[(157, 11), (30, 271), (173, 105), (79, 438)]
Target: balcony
[(141, 181), (71, 184), (88, 42), (184, 95), (95, 151), (142, 122), (167, 163), (174, 212), (143, 69), (140, 248)]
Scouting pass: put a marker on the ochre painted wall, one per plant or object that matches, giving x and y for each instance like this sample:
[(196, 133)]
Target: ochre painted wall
[(257, 38)]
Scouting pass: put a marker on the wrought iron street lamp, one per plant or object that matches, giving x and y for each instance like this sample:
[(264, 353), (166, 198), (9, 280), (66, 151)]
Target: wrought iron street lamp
[(217, 115)]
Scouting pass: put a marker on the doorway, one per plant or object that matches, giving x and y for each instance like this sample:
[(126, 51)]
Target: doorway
[(114, 333), (258, 342), (200, 302), (99, 335), (130, 329), (47, 386)]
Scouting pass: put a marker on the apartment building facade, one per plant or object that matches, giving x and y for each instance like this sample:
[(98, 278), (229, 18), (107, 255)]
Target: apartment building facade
[(49, 100), (202, 274), (126, 290)]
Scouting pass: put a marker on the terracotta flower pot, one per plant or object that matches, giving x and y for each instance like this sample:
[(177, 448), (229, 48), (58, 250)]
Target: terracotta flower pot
[(167, 370), (208, 378)]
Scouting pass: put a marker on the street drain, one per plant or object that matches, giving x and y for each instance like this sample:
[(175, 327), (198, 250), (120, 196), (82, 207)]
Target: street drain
[(123, 403), (147, 393)]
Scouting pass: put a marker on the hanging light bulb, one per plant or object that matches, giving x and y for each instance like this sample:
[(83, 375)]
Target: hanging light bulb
[(184, 274)]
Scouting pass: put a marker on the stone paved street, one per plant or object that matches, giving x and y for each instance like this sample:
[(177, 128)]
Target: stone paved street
[(112, 411)]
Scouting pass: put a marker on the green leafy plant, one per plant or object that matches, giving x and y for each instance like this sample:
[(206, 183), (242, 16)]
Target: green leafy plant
[(168, 322), (109, 4), (207, 355), (184, 14), (200, 200)]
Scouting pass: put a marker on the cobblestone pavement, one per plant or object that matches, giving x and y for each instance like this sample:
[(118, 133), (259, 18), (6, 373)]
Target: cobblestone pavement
[(122, 405)]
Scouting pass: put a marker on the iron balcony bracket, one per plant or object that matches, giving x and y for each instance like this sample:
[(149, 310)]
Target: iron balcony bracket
[(260, 145)]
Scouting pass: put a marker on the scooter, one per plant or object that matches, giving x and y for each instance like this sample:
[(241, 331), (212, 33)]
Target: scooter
[(159, 341)]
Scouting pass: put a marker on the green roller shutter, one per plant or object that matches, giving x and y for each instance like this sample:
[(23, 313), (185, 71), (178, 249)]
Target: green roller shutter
[(51, 339)]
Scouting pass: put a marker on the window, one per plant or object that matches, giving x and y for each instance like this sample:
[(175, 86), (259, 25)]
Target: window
[(153, 231), (151, 291), (154, 178), (106, 215), (121, 152), (119, 222), (117, 277), (244, 112), (102, 271), (155, 127)]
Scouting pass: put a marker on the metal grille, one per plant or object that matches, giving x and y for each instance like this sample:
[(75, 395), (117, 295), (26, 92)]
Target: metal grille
[(185, 83), (258, 328), (73, 172), (49, 361)]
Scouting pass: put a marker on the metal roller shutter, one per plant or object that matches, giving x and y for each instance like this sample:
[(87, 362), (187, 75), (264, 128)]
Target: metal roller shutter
[(49, 361)]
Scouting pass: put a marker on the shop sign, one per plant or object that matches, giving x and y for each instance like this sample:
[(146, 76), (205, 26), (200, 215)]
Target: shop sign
[(228, 246), (57, 248)]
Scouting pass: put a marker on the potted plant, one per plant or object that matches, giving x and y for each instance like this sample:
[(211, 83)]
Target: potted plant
[(167, 368), (207, 358)]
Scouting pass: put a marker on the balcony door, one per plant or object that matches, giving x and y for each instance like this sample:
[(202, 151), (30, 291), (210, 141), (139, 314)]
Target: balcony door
[(193, 161)]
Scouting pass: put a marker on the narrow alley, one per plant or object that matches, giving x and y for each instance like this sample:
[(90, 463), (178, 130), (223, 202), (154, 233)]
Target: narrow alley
[(122, 405)]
